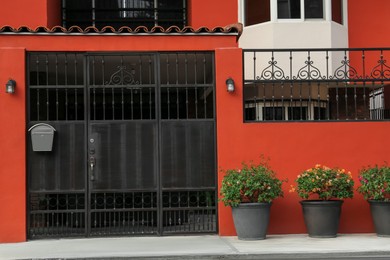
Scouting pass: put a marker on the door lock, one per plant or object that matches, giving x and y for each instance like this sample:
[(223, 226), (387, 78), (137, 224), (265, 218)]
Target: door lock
[(92, 163)]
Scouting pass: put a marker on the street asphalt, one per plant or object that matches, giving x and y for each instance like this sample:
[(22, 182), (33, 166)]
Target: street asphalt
[(351, 246)]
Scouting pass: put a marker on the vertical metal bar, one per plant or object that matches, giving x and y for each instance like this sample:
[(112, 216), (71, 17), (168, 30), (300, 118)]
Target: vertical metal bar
[(94, 90), (132, 103), (373, 102), (66, 70), (291, 65), (254, 65), (204, 69), (382, 102), (184, 13), (196, 69), (57, 105), (75, 69), (155, 12), (113, 102), (327, 101), (104, 88), (282, 90), (346, 99), (365, 101), (63, 12), (364, 64), (196, 102), (123, 104), (273, 102), (205, 91), (309, 116), (300, 100), (57, 101), (167, 66), (93, 13), (47, 87), (382, 73), (38, 84), (37, 69), (187, 103), (75, 104), (141, 103), (264, 102), (186, 68), (327, 64), (355, 100), (177, 68), (291, 99), (47, 69), (168, 103), (337, 101), (150, 89), (177, 104), (150, 103), (319, 100)]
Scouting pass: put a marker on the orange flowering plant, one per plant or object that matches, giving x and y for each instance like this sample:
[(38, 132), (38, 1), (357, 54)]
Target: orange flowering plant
[(324, 182)]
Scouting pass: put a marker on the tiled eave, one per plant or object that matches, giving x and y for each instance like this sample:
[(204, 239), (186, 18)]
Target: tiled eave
[(233, 29)]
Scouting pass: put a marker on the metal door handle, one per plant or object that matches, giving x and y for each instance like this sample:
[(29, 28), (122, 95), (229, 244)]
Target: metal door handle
[(92, 163)]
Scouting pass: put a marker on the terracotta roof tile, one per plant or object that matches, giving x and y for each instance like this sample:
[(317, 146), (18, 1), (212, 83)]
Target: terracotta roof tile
[(58, 30)]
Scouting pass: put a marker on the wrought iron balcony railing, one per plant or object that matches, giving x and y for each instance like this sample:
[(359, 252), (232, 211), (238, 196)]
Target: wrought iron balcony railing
[(316, 84)]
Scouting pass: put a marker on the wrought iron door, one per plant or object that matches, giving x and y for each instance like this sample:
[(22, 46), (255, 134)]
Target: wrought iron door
[(134, 149)]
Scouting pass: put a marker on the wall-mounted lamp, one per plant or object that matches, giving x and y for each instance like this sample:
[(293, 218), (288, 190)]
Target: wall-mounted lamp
[(230, 85), (10, 86)]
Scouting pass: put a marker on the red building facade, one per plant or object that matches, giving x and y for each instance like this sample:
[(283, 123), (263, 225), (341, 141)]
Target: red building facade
[(291, 146)]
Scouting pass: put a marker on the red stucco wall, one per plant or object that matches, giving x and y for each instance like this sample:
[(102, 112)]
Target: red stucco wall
[(292, 148), (12, 147), (212, 13), (13, 111), (368, 23), (23, 12)]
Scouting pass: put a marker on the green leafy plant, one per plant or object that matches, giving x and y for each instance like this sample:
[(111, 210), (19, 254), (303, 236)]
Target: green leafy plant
[(324, 183), (251, 183), (375, 183)]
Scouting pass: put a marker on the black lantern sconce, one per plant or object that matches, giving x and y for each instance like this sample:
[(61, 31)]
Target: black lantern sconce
[(10, 86), (230, 85)]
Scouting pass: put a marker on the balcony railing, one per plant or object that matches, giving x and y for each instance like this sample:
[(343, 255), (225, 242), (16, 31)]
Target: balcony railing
[(118, 13), (316, 84)]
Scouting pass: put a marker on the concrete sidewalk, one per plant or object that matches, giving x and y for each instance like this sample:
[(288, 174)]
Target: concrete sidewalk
[(203, 247)]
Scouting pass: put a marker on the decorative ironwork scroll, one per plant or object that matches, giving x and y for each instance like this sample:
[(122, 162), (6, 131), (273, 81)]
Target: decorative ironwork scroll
[(123, 77), (357, 65), (382, 70), (309, 71), (345, 71), (272, 72)]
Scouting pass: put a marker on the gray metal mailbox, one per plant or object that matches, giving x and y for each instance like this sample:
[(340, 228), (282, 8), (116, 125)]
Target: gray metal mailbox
[(42, 136)]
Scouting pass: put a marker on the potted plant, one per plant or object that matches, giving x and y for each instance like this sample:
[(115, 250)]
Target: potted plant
[(375, 187), (327, 187), (250, 192)]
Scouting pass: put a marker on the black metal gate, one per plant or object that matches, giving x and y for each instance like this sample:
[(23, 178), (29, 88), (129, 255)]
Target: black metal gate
[(134, 144)]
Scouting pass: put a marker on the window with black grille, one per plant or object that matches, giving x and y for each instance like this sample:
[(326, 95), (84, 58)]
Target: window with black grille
[(118, 13)]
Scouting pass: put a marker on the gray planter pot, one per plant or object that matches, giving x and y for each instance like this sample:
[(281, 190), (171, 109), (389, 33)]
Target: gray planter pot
[(380, 212), (322, 217), (251, 220)]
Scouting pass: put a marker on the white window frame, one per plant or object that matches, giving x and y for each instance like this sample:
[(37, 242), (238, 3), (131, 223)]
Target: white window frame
[(327, 12), (327, 4), (310, 106)]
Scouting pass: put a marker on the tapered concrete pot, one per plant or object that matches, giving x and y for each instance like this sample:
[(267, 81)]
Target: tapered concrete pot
[(380, 212), (251, 220), (322, 217)]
